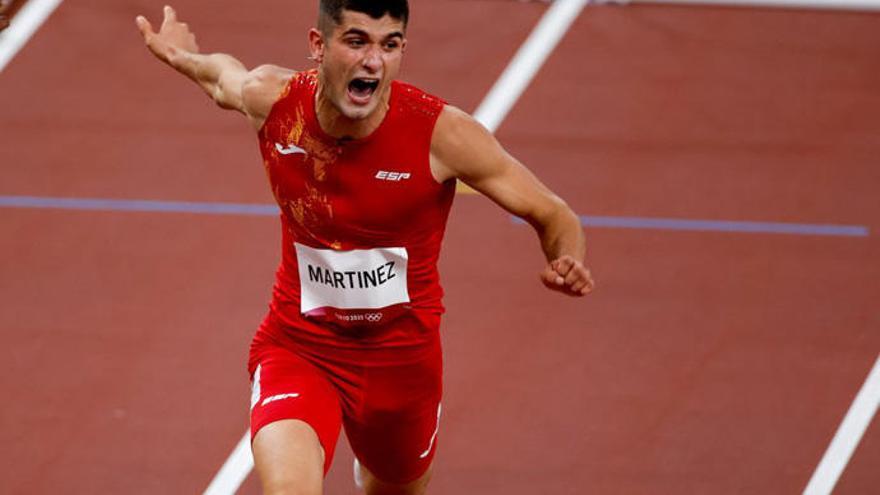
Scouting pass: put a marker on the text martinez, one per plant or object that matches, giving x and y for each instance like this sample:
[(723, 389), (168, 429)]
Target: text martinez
[(356, 279)]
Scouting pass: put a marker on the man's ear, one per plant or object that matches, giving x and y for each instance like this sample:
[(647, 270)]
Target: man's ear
[(316, 45), (403, 46)]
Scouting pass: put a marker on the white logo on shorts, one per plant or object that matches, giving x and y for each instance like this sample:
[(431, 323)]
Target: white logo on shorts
[(434, 436), (278, 397), (255, 387), (256, 392)]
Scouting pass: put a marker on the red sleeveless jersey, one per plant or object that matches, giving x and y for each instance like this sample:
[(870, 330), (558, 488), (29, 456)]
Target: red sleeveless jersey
[(362, 221)]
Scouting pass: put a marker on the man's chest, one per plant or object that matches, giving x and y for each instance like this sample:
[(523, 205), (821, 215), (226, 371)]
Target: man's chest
[(373, 186)]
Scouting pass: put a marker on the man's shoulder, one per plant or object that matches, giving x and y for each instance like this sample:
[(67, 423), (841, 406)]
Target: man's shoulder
[(413, 91), (268, 78), (410, 98), (264, 85)]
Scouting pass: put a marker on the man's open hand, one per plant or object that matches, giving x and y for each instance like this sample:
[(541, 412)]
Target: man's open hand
[(568, 276), (173, 37)]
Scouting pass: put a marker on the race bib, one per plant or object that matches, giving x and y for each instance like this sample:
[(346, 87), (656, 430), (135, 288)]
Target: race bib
[(347, 280)]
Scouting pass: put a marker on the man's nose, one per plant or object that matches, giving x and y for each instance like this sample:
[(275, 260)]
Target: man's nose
[(373, 59)]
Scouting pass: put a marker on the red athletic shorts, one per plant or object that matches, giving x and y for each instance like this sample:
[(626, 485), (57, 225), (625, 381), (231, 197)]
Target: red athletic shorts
[(386, 394)]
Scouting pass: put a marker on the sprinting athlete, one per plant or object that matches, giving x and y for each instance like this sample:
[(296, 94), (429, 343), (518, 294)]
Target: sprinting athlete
[(363, 168)]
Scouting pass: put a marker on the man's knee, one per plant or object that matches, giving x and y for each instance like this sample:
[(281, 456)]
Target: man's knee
[(289, 459), (286, 488), (374, 486)]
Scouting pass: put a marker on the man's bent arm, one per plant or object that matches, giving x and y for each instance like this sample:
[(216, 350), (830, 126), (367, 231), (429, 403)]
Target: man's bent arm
[(462, 148), (223, 77)]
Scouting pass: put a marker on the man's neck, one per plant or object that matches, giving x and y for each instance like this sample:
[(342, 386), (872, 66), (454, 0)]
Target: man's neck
[(338, 126)]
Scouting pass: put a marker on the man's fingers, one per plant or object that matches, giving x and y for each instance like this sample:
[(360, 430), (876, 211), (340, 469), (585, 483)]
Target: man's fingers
[(563, 268), (579, 288), (579, 285), (552, 279), (144, 25), (569, 276), (583, 286), (577, 279), (574, 275), (170, 14), (563, 265)]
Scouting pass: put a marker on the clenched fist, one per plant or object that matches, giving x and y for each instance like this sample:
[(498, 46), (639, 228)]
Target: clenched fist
[(569, 276)]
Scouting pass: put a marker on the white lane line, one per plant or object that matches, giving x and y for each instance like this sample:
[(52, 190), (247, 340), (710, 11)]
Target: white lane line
[(527, 61), (234, 470), (491, 112), (864, 5), (25, 23), (848, 436)]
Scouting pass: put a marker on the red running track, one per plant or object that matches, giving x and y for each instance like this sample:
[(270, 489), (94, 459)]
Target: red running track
[(705, 363)]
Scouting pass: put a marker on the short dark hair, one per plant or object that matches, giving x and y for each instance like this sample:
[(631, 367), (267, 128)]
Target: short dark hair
[(332, 10)]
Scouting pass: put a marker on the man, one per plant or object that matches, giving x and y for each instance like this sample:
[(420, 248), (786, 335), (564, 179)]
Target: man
[(363, 168)]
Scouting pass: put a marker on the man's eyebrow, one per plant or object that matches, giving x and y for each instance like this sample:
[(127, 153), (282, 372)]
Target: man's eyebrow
[(361, 32)]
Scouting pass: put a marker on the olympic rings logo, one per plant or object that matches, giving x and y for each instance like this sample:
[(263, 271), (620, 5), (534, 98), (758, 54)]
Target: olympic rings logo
[(373, 317)]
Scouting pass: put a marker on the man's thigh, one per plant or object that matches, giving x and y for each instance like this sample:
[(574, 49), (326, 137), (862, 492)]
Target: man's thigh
[(287, 387), (394, 431), (288, 455)]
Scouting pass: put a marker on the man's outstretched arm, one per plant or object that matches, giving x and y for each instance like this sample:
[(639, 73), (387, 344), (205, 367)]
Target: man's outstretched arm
[(464, 149), (226, 80)]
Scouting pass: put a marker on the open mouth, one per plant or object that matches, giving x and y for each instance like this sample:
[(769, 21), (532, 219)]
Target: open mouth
[(361, 89)]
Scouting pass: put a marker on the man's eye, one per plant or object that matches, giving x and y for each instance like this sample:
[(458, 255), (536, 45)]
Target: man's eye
[(355, 42), (391, 45)]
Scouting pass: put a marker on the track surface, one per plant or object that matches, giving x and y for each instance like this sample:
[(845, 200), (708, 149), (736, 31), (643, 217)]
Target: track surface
[(705, 363)]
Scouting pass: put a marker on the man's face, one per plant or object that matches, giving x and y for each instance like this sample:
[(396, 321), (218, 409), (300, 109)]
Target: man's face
[(358, 60)]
